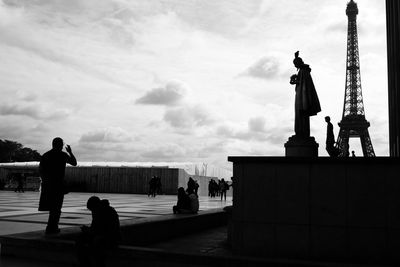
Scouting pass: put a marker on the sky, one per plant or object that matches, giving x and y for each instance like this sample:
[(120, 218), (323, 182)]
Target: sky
[(173, 80)]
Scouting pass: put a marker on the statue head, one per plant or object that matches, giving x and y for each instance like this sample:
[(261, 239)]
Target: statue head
[(297, 61)]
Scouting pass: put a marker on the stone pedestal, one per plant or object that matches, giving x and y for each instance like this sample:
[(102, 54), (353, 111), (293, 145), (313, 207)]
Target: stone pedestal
[(319, 209), (301, 147)]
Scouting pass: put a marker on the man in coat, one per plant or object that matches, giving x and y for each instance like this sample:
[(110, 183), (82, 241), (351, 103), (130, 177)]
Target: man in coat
[(307, 102), (52, 171)]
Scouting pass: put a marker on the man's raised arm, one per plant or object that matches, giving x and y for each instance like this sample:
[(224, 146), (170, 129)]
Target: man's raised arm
[(71, 160)]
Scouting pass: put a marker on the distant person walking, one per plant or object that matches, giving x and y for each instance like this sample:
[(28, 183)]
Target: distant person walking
[(52, 171), (223, 187), (20, 179), (152, 187)]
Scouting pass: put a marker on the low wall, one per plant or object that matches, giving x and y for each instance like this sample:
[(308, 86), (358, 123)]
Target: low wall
[(121, 179), (319, 209), (61, 248), (132, 180)]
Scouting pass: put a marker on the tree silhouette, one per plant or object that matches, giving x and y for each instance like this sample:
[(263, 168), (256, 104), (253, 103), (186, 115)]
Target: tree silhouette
[(11, 151)]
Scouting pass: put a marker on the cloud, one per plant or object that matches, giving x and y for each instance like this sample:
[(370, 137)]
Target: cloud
[(169, 152), (13, 109), (108, 135), (256, 131), (170, 95), (32, 111), (26, 96), (257, 124), (265, 68), (188, 117)]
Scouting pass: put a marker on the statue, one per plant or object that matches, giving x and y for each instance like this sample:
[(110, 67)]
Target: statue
[(306, 101)]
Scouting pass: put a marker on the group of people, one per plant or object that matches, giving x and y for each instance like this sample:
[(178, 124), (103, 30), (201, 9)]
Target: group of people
[(188, 200), (219, 188), (155, 186)]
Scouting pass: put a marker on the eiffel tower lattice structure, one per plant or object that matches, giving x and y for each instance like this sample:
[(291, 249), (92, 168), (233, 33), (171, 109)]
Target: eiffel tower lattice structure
[(353, 123)]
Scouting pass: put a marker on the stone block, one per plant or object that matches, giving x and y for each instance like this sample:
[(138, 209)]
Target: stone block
[(255, 239), (328, 243), (366, 196), (292, 194), (328, 195), (366, 245), (393, 196), (259, 193), (292, 241), (301, 147), (393, 246)]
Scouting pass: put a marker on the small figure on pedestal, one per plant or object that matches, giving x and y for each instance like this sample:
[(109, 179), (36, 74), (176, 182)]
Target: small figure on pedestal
[(306, 105)]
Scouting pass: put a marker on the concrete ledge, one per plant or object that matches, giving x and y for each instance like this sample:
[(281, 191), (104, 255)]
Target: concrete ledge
[(324, 160), (61, 247)]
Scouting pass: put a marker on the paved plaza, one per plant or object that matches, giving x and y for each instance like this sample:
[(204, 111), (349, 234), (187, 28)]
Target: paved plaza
[(19, 211)]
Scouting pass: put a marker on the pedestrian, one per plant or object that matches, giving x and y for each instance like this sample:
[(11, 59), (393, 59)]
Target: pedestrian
[(20, 179), (223, 187), (153, 186), (52, 172)]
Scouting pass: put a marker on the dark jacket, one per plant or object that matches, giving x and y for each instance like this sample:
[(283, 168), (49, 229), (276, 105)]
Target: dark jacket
[(307, 101), (52, 171), (105, 224)]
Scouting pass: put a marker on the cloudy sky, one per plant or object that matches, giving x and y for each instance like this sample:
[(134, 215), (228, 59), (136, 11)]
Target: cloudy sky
[(174, 80)]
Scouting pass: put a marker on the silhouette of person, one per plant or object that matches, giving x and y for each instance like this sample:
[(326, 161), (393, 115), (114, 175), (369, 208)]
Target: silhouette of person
[(194, 201), (330, 139), (191, 185), (183, 203), (52, 171), (306, 99), (152, 187), (103, 234), (196, 187), (20, 178), (223, 187), (353, 154)]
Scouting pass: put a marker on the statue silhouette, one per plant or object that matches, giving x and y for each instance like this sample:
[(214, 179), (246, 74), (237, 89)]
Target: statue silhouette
[(306, 100)]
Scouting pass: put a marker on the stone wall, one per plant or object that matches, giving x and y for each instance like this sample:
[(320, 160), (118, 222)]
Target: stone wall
[(323, 208)]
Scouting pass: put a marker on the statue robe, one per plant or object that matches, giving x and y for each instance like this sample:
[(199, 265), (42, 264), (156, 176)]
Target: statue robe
[(306, 103)]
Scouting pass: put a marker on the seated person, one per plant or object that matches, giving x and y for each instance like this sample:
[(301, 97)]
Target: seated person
[(183, 204), (102, 235), (194, 201), (187, 203)]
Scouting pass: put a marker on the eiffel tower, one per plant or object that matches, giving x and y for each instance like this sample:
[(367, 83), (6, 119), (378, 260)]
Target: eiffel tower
[(353, 122)]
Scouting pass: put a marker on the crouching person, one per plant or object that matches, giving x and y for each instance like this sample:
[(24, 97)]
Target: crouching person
[(101, 236), (187, 202)]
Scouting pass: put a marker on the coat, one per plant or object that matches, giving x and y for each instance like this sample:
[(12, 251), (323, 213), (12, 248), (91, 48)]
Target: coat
[(307, 101), (52, 172)]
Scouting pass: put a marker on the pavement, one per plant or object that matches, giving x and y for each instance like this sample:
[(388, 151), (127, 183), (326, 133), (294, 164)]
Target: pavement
[(19, 214)]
